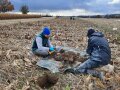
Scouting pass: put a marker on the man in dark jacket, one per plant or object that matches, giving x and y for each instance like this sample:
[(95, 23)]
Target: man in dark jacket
[(99, 52)]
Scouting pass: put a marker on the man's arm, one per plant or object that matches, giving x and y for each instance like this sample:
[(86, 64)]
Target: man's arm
[(39, 44), (89, 47), (49, 44)]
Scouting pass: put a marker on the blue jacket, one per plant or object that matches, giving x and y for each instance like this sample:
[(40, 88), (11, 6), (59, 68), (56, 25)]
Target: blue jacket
[(98, 48)]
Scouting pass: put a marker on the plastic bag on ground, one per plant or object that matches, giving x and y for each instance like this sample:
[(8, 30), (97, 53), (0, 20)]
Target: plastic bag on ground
[(50, 64)]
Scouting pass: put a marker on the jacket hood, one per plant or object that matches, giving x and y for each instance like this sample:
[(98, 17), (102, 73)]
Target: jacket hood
[(98, 34)]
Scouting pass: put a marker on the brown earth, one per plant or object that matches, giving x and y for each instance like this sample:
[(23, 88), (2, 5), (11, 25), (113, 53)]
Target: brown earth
[(17, 65)]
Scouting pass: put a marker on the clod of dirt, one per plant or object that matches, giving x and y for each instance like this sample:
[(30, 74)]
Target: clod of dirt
[(27, 36), (47, 80), (69, 56)]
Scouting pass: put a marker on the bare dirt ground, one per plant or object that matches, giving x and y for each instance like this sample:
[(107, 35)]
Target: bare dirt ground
[(17, 68)]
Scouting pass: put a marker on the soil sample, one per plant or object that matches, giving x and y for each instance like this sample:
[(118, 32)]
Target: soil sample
[(47, 80)]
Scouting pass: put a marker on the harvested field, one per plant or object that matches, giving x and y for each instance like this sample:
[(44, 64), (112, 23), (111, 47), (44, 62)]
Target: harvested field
[(17, 65), (17, 16)]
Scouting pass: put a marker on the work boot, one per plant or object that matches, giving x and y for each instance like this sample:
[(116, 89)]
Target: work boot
[(97, 74), (101, 76), (45, 57), (71, 70)]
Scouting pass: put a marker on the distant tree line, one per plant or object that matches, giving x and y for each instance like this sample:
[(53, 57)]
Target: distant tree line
[(102, 16), (46, 15), (112, 16)]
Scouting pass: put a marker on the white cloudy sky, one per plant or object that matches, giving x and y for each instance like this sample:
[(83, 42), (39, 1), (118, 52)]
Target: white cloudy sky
[(70, 7)]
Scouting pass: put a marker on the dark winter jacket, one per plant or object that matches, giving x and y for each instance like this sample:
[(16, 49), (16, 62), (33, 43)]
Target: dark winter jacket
[(98, 48), (44, 42)]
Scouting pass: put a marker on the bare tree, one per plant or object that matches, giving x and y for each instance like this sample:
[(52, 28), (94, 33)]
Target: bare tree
[(5, 5)]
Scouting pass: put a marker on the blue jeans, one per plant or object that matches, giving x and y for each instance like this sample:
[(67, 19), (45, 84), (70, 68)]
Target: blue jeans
[(40, 52), (44, 52), (87, 66)]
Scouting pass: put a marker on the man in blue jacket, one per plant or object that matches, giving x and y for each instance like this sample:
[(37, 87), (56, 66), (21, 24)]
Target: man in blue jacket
[(99, 55), (41, 44)]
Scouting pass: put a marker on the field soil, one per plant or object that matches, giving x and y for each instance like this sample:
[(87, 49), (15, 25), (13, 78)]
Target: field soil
[(18, 70)]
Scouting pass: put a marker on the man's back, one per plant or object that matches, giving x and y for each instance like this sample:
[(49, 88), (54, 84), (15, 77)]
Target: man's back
[(98, 48)]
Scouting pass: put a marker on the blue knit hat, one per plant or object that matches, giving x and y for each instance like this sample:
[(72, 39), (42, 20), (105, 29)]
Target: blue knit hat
[(90, 32), (46, 31)]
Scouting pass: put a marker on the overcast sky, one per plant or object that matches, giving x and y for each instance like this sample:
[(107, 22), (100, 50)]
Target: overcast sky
[(70, 7)]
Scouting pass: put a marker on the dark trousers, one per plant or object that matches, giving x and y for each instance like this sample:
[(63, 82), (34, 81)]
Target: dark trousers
[(87, 67)]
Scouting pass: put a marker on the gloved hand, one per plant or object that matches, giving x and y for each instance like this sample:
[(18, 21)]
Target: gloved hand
[(51, 49)]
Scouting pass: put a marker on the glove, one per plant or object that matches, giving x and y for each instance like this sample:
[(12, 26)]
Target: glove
[(51, 49)]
